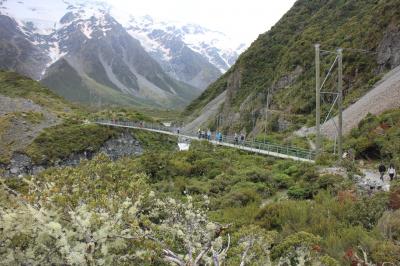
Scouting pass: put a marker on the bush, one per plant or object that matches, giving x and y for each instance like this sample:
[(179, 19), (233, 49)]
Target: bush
[(282, 181), (239, 197), (366, 211), (275, 216), (289, 246), (394, 198), (219, 185), (329, 181), (297, 192), (386, 252), (258, 175)]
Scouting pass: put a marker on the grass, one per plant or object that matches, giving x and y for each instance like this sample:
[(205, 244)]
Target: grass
[(30, 117)]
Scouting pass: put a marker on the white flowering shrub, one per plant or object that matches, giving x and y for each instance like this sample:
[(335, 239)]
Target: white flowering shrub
[(79, 237), (186, 235)]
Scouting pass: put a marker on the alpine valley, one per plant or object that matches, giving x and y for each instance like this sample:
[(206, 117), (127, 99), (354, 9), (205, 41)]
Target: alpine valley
[(88, 52)]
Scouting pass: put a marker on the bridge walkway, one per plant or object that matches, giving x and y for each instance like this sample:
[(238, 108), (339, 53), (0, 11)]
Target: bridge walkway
[(279, 151)]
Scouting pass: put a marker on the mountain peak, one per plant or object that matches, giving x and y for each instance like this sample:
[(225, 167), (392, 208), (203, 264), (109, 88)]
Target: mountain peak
[(215, 46)]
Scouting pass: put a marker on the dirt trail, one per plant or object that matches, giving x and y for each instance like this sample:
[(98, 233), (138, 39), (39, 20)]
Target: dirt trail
[(384, 96), (208, 111)]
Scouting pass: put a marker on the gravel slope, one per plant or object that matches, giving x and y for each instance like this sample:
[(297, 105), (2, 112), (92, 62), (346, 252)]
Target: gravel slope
[(384, 96), (211, 109)]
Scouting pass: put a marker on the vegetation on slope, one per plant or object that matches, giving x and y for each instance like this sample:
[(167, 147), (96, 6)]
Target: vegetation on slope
[(16, 86), (285, 209), (377, 137), (71, 135), (282, 59)]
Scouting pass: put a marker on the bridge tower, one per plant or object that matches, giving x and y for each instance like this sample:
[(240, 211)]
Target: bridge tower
[(338, 98)]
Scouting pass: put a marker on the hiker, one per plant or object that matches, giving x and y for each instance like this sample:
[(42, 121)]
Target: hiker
[(241, 138), (178, 130), (391, 172), (199, 133), (236, 139), (208, 134), (382, 170), (218, 136)]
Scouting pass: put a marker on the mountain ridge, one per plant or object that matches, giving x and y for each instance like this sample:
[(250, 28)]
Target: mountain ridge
[(56, 37)]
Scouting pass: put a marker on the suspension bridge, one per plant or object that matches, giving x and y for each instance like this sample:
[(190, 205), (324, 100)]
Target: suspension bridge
[(265, 148)]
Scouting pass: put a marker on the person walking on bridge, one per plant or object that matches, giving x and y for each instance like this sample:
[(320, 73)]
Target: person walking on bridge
[(236, 139), (241, 138), (382, 170), (392, 172), (219, 137), (209, 134)]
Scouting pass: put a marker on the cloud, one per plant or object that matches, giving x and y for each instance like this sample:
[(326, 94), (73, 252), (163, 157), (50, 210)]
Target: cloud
[(242, 20)]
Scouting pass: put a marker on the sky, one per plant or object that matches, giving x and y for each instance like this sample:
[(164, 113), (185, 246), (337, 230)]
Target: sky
[(242, 20)]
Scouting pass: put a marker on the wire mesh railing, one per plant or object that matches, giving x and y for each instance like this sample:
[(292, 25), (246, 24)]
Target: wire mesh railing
[(251, 144)]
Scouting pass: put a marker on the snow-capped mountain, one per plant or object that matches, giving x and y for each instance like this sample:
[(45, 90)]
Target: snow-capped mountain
[(177, 46), (85, 55), (80, 49)]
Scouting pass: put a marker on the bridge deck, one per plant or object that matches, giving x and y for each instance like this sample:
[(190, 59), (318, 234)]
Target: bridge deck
[(284, 152)]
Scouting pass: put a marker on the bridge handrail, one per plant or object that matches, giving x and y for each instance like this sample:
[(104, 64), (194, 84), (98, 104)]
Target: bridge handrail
[(267, 146)]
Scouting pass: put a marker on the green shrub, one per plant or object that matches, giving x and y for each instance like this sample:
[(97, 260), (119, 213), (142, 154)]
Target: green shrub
[(386, 252), (239, 197), (297, 192), (282, 181), (258, 175), (288, 247), (329, 181), (366, 211)]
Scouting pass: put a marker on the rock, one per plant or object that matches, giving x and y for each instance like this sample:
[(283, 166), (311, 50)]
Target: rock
[(122, 146), (37, 169), (389, 48), (14, 170), (125, 145)]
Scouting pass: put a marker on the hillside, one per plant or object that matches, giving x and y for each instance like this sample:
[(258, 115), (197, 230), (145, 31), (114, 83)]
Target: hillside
[(384, 96), (39, 129), (26, 108), (282, 61)]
